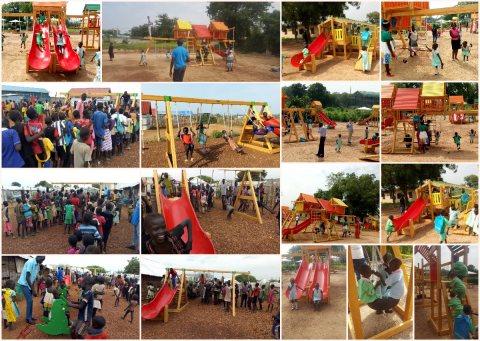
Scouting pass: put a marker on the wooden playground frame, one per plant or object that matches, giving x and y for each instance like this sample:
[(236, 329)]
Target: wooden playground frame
[(355, 320), (91, 22), (246, 136)]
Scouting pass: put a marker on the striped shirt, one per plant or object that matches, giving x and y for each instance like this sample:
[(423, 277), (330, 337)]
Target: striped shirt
[(89, 230)]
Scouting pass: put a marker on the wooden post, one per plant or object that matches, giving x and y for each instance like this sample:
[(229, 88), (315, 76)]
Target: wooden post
[(165, 314), (157, 191), (233, 293), (431, 198), (357, 328)]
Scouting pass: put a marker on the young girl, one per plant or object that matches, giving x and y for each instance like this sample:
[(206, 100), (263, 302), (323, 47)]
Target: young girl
[(60, 42), (144, 63), (473, 220), (465, 51), (202, 137), (292, 288), (230, 58), (6, 220), (365, 59), (81, 53), (187, 140), (339, 143), (41, 220), (317, 296), (456, 139), (472, 136), (436, 59), (151, 292), (453, 219), (305, 52), (10, 310)]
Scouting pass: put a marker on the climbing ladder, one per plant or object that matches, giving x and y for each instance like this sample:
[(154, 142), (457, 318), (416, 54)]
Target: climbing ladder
[(207, 57), (399, 135)]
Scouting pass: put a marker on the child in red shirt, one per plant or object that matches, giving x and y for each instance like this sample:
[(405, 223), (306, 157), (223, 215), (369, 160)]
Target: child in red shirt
[(96, 331), (187, 140)]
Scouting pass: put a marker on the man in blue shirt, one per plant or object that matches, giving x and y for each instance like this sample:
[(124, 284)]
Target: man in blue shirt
[(26, 282), (100, 122), (180, 57), (59, 275), (136, 232)]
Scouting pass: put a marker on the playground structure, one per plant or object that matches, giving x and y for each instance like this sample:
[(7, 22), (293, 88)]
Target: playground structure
[(355, 319), (373, 119), (159, 308), (430, 274), (200, 41), (433, 197), (337, 40), (247, 136), (425, 103), (49, 57)]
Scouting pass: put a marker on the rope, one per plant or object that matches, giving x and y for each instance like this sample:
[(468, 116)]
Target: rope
[(223, 115), (176, 110), (231, 121), (191, 127), (208, 124)]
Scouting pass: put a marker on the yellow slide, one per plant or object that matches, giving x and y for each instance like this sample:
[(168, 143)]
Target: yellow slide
[(358, 64)]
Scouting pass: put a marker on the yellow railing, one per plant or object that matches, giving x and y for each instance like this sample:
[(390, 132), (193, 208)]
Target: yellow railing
[(355, 40), (338, 34), (436, 198)]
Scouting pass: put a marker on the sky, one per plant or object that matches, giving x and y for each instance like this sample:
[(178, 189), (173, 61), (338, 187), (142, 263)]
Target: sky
[(361, 13), (248, 92), (260, 266), (273, 173), (463, 171), (73, 175), (446, 256), (310, 177), (109, 263), (135, 13), (342, 87)]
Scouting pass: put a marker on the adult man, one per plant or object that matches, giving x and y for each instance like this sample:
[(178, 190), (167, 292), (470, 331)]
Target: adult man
[(305, 38), (402, 203), (180, 57), (323, 136), (296, 34), (59, 276), (136, 233), (350, 130), (223, 189), (26, 282)]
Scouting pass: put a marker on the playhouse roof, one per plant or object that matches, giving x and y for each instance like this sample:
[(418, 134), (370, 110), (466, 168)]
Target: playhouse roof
[(183, 25), (326, 205), (337, 202), (285, 208), (446, 184), (284, 96), (317, 104), (433, 89), (55, 4), (218, 26), (407, 99), (387, 91), (91, 7), (455, 99), (146, 107), (201, 31), (376, 106), (308, 198)]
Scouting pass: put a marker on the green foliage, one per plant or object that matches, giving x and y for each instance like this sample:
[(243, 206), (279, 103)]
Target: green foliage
[(471, 181), (217, 134), (373, 18), (242, 278), (43, 183), (125, 41), (16, 184), (204, 118), (96, 267), (404, 250), (133, 266), (96, 186), (255, 176), (270, 24)]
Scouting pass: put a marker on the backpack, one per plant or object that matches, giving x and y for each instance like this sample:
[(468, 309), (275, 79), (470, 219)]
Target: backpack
[(119, 124), (365, 35), (461, 328), (439, 224)]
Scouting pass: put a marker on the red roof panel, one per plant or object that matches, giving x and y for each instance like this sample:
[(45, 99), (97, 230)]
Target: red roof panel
[(407, 99), (146, 107), (201, 31), (326, 205)]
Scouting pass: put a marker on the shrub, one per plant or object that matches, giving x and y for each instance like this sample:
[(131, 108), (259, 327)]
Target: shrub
[(217, 134), (125, 41)]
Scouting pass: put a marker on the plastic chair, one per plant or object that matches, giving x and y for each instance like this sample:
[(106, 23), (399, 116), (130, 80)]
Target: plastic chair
[(18, 291)]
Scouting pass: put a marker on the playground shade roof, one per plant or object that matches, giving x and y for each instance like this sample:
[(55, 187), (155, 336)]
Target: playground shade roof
[(146, 107), (201, 31), (184, 25), (455, 99), (338, 202), (91, 91), (376, 106), (23, 89), (284, 96), (309, 198), (285, 208), (433, 89), (92, 7), (407, 99), (317, 103), (446, 184), (326, 205), (387, 91), (218, 26), (49, 4)]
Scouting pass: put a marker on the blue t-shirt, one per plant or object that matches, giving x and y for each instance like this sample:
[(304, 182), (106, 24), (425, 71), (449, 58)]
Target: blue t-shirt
[(60, 274), (99, 120), (10, 157), (180, 54), (136, 214), (465, 198), (26, 208), (85, 314), (32, 267)]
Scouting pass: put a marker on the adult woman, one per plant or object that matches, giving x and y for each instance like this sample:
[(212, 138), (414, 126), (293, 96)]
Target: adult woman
[(110, 51), (388, 45), (454, 34)]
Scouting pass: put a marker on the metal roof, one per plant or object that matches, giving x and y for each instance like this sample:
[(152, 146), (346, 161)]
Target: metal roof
[(92, 7), (23, 89)]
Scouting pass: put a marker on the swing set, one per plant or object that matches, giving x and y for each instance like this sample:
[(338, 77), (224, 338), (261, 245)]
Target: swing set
[(251, 119)]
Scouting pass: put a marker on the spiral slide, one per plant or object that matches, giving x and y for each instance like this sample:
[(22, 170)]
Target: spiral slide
[(297, 228), (302, 278), (316, 46), (326, 119), (69, 60), (163, 298), (412, 213), (175, 211), (39, 58), (274, 121), (320, 276)]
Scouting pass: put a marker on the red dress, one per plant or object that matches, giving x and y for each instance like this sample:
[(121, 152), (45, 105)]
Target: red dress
[(357, 230)]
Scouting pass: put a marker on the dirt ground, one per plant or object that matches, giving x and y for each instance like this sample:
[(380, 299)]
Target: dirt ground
[(115, 327), (120, 236), (14, 61), (303, 324), (420, 68), (219, 152), (249, 68), (328, 69), (368, 237), (210, 322), (423, 327), (373, 324), (446, 150), (424, 232), (305, 151)]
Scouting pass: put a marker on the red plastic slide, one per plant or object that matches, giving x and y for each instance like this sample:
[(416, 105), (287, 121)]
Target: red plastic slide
[(388, 122), (412, 213), (274, 121), (39, 58), (175, 211), (370, 142), (297, 228), (366, 225), (217, 51), (316, 46), (67, 279), (302, 278), (163, 298), (326, 119), (458, 118), (320, 276), (69, 60)]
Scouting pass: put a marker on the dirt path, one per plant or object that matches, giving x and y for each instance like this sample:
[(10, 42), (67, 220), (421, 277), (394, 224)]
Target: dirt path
[(115, 327), (121, 235), (249, 68), (303, 324), (419, 68), (446, 150), (424, 232), (305, 151), (423, 327), (14, 61), (328, 69)]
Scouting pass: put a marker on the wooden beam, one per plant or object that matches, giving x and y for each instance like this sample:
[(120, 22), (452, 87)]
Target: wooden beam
[(218, 271), (437, 11), (198, 100)]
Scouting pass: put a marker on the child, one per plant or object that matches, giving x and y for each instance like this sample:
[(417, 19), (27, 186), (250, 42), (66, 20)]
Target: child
[(187, 141), (87, 228), (317, 296), (389, 228), (39, 40), (440, 223), (98, 291), (457, 139), (48, 298), (457, 273), (24, 40), (366, 133), (465, 51), (10, 310), (69, 216), (292, 288), (151, 292), (230, 59), (345, 227), (166, 242), (202, 135), (366, 38), (95, 331), (74, 249), (107, 225), (20, 215), (472, 136), (231, 142), (339, 143), (117, 293), (230, 209), (131, 308), (85, 308), (436, 59), (271, 297), (305, 52), (81, 150), (453, 216), (473, 220), (168, 55), (60, 42), (364, 55), (101, 222), (81, 53), (6, 220), (437, 136), (456, 305), (144, 63), (130, 211), (463, 326)]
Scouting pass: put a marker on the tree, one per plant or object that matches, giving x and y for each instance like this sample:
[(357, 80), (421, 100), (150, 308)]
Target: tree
[(296, 89), (96, 267), (255, 176), (318, 92), (270, 24), (471, 181), (164, 26), (44, 183), (96, 186), (133, 266), (16, 184), (243, 277), (373, 17)]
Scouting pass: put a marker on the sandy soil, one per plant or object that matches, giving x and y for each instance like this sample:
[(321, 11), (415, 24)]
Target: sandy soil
[(423, 327), (249, 68), (424, 232), (305, 151), (328, 69), (211, 322), (121, 235), (219, 152), (115, 327), (373, 324), (14, 61), (446, 150), (368, 237), (303, 324)]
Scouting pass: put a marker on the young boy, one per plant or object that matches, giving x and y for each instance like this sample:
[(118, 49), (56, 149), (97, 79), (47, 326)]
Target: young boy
[(81, 150), (96, 331), (390, 227), (87, 228), (69, 216), (117, 294), (85, 310), (463, 326), (20, 215), (456, 305), (131, 308)]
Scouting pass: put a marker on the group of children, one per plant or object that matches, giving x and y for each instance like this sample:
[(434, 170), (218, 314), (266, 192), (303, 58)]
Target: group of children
[(317, 295)]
